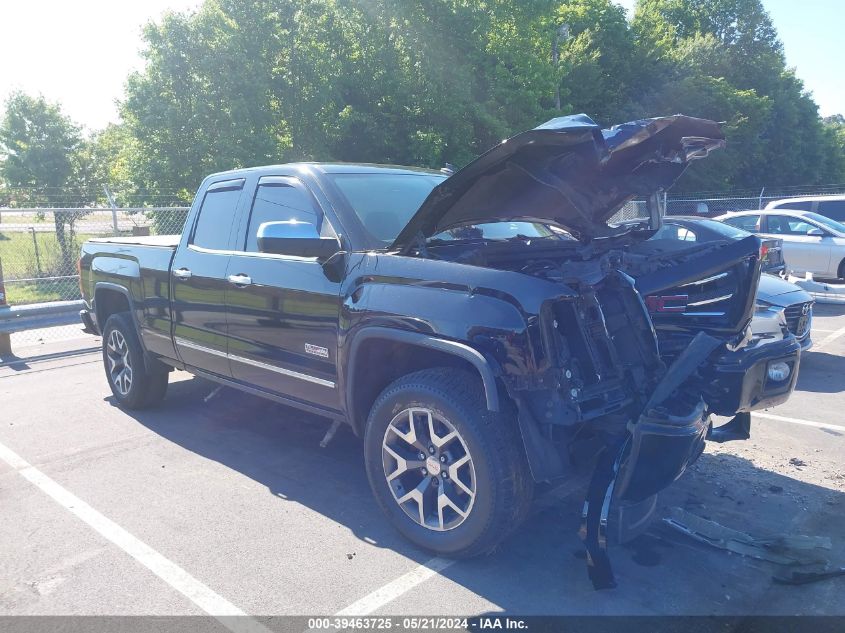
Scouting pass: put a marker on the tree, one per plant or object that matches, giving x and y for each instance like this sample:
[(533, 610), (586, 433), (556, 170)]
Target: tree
[(598, 59), (424, 82), (40, 150), (732, 47)]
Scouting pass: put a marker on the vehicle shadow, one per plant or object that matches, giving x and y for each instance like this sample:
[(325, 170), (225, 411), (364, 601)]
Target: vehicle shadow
[(821, 372), (540, 569), (828, 309)]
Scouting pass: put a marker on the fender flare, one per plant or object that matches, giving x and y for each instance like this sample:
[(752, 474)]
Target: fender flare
[(461, 350), (108, 285)]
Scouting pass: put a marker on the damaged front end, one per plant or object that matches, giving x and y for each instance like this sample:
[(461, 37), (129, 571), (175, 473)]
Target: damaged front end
[(635, 356), (645, 340)]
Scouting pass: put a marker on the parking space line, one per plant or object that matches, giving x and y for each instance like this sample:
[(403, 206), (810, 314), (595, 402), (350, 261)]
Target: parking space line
[(202, 596), (396, 588), (827, 340), (818, 425)]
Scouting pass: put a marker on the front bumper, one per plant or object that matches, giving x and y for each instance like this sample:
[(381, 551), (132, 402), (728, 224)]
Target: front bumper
[(739, 382), (661, 447)]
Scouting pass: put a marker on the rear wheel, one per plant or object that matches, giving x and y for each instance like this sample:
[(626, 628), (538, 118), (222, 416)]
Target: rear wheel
[(841, 272), (451, 476), (134, 383)]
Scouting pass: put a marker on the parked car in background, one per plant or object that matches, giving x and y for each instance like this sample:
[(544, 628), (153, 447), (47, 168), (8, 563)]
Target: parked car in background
[(811, 242), (832, 207), (781, 307), (688, 229)]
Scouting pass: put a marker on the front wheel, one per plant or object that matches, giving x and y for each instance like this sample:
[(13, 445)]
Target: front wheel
[(451, 476), (134, 383)]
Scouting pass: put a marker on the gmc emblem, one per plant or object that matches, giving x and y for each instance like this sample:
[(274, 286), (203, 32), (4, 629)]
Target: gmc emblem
[(667, 303)]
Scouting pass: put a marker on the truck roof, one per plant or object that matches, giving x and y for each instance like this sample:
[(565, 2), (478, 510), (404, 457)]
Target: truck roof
[(330, 168)]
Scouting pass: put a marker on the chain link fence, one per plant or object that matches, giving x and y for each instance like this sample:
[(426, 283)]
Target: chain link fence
[(712, 204), (39, 248)]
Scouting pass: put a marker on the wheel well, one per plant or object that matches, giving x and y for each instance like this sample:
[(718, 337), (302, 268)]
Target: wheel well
[(842, 269), (108, 302), (382, 361)]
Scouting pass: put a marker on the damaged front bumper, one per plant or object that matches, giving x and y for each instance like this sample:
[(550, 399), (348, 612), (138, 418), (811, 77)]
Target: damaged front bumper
[(670, 434), (747, 380)]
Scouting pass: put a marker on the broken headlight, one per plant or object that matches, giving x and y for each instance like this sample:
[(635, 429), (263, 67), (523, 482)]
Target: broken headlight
[(768, 324)]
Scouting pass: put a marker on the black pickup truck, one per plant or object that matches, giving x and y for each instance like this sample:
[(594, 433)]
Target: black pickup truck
[(481, 332)]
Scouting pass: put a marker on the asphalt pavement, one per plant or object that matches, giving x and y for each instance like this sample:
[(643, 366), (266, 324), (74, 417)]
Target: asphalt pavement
[(220, 502)]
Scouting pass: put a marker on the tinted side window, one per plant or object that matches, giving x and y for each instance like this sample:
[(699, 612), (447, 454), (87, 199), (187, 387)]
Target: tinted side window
[(784, 225), (215, 218), (277, 203), (834, 209), (675, 232), (797, 206), (745, 222)]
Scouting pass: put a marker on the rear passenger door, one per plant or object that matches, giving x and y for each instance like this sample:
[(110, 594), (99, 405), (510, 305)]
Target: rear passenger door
[(198, 280), (282, 310), (801, 252)]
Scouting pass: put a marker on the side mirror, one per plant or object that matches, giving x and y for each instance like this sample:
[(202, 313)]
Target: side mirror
[(814, 232), (292, 237)]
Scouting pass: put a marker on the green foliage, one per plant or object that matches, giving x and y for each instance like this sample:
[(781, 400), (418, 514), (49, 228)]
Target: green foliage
[(424, 82), (38, 143), (43, 150)]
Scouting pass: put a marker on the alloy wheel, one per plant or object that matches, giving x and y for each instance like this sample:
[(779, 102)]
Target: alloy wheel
[(120, 365), (429, 469)]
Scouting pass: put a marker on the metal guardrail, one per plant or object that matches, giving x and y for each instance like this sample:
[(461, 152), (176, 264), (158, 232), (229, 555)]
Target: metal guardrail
[(40, 315)]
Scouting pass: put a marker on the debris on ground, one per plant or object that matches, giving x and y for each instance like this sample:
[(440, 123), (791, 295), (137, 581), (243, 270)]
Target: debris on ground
[(797, 462), (782, 550), (803, 577)]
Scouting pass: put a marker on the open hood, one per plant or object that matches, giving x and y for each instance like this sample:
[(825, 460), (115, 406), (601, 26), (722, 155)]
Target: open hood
[(567, 172)]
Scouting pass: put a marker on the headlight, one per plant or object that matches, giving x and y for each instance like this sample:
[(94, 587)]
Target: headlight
[(762, 306)]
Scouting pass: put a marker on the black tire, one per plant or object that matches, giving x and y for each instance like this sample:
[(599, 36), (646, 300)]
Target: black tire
[(503, 484), (842, 269), (146, 385)]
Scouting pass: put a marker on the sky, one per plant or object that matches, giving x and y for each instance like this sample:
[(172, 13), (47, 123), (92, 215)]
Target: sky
[(79, 52)]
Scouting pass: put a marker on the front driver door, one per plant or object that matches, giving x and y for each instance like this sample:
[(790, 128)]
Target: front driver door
[(282, 310)]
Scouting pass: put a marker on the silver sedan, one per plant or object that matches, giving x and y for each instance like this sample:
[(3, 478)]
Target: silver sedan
[(811, 242), (781, 307)]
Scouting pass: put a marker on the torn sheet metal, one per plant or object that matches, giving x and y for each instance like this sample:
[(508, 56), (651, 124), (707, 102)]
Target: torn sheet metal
[(593, 530), (804, 577), (782, 550)]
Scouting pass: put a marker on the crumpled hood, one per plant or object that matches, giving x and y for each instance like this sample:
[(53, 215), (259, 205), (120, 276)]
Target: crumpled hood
[(567, 172)]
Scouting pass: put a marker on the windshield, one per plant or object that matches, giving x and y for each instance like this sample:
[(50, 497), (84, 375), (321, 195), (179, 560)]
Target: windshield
[(385, 202), (725, 230), (497, 231), (827, 222)]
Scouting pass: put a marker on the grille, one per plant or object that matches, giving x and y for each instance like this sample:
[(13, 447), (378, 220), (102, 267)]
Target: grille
[(796, 320)]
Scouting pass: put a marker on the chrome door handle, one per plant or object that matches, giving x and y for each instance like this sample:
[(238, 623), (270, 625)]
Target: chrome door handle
[(240, 280), (182, 273)]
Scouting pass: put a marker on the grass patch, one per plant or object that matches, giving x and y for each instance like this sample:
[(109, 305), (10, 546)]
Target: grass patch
[(41, 291), (19, 260), (22, 261)]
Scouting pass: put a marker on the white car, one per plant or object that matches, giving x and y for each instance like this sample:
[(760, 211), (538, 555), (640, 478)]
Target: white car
[(832, 207), (811, 242)]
